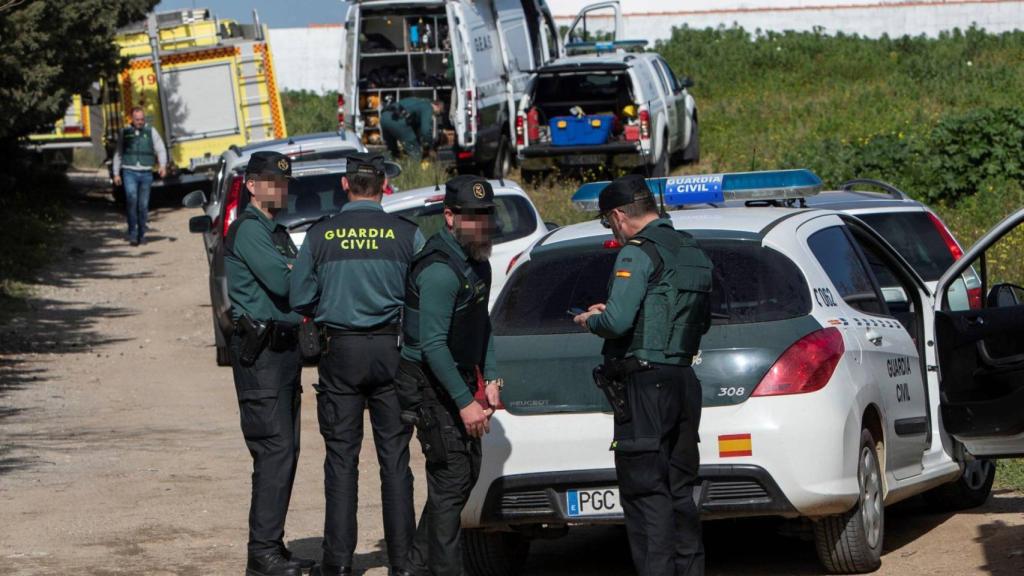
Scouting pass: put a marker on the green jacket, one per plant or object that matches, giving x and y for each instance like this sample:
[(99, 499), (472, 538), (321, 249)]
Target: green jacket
[(257, 256), (351, 270), (657, 308), (428, 326), (421, 118)]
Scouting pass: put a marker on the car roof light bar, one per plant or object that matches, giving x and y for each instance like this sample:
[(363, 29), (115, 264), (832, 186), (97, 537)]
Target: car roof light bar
[(605, 47), (714, 188)]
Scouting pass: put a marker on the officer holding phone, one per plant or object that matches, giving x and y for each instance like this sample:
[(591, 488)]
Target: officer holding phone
[(265, 359)]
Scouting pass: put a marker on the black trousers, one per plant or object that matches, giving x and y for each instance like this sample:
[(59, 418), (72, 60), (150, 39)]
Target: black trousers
[(358, 371), (657, 461), (451, 475), (269, 395)]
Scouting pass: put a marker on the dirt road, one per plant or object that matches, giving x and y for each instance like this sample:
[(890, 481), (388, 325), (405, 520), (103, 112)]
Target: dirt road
[(120, 451)]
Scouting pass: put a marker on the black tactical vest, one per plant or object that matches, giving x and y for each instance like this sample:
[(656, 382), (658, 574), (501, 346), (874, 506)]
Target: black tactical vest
[(470, 329), (676, 310)]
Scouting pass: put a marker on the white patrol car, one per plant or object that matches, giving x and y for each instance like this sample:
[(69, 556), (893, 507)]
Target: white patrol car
[(822, 399)]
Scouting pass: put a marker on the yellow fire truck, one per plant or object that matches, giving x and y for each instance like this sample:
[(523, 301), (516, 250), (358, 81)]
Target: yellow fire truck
[(73, 130), (205, 85)]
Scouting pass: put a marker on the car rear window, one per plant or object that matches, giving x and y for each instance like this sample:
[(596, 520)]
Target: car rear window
[(751, 284), (309, 197), (515, 218), (914, 236)]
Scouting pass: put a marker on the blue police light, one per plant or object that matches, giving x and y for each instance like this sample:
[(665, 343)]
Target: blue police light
[(715, 188), (605, 46)]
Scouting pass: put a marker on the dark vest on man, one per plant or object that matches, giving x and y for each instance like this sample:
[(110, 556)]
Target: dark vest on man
[(138, 146)]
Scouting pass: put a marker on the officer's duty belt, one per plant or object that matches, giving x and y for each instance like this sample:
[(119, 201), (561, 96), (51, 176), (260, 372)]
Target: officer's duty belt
[(392, 329)]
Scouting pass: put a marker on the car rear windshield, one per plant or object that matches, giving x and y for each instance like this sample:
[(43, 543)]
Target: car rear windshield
[(515, 218), (914, 236), (751, 284), (593, 92)]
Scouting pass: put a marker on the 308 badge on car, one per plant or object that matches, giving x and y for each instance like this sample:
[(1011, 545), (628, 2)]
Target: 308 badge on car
[(593, 502)]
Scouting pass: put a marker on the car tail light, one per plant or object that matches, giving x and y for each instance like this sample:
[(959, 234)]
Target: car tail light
[(231, 204), (465, 155), (520, 136), (512, 263), (613, 243), (974, 298), (806, 366), (954, 248), (645, 124), (341, 111)]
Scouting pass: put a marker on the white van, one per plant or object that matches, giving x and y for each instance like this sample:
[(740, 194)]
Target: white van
[(474, 55)]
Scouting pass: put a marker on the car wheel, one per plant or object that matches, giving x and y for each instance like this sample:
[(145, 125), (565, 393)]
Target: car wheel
[(691, 154), (494, 553), (502, 161), (851, 543), (970, 490)]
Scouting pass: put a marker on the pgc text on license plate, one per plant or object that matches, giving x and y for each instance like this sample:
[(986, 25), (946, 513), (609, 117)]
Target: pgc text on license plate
[(593, 502)]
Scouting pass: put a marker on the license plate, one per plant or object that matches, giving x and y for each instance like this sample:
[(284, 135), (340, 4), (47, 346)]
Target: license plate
[(593, 502), (584, 160)]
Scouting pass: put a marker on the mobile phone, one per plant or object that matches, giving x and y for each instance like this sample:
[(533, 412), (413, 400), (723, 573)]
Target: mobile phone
[(574, 311)]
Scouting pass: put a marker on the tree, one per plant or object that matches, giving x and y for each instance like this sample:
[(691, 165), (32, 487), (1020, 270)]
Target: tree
[(52, 49)]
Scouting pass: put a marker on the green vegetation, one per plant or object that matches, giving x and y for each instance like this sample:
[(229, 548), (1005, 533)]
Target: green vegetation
[(307, 113), (1010, 475)]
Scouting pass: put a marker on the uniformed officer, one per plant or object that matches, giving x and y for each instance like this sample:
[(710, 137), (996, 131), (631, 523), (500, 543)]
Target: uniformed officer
[(411, 122), (652, 323), (447, 358), (265, 359), (350, 277)]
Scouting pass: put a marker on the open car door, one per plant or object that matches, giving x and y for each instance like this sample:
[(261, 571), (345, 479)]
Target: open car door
[(600, 22), (980, 352)]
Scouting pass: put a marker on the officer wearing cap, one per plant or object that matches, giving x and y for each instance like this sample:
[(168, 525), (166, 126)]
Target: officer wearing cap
[(657, 310), (265, 360), (350, 278), (447, 359)]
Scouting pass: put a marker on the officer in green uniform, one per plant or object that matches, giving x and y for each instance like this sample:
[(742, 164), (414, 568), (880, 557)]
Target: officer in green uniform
[(265, 359), (350, 277), (657, 310), (447, 359), (411, 122)]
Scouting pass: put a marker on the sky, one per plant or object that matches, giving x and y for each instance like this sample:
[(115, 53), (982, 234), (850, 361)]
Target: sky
[(274, 13)]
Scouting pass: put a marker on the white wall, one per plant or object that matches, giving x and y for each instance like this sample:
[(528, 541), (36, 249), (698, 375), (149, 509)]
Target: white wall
[(307, 58), (654, 19)]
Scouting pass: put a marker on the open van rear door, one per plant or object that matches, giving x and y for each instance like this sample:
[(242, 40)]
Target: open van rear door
[(980, 352), (596, 22), (348, 94)]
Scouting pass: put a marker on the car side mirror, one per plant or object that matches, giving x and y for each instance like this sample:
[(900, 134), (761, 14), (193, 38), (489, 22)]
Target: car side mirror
[(194, 199), (687, 82), (1005, 296), (200, 224)]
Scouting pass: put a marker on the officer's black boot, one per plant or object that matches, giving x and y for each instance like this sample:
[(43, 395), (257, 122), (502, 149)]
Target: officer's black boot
[(272, 564), (305, 564), (332, 570)]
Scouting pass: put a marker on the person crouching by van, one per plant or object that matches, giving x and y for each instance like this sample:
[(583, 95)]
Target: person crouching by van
[(410, 121)]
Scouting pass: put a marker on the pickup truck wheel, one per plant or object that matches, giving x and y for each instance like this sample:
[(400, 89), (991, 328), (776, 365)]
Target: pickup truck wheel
[(503, 161), (494, 553), (661, 165), (691, 154), (970, 490), (851, 543)]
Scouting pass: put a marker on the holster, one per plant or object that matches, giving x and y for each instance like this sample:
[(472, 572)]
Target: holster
[(430, 432), (254, 335), (409, 382), (614, 390), (310, 340)]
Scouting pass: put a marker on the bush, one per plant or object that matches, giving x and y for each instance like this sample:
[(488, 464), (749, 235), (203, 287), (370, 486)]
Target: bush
[(306, 112)]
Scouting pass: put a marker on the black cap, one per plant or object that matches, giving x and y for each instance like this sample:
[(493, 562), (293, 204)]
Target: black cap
[(269, 164), (622, 191), (365, 163), (467, 192)]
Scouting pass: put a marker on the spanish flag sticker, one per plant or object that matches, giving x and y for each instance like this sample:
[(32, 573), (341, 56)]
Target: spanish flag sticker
[(734, 445), (623, 274)]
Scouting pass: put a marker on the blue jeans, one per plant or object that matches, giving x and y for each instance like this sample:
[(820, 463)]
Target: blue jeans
[(136, 196)]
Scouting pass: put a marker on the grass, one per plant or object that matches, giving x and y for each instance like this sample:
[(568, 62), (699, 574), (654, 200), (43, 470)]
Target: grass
[(1010, 475)]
